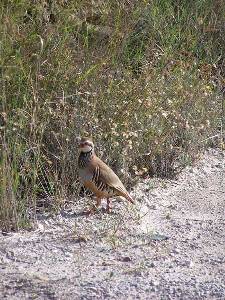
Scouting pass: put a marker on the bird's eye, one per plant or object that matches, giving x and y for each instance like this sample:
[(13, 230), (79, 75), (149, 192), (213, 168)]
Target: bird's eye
[(86, 144)]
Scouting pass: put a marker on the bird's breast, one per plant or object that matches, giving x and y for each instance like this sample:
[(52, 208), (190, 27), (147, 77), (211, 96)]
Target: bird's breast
[(85, 174)]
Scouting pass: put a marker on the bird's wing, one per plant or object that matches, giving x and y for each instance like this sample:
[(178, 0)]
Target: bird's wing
[(107, 176)]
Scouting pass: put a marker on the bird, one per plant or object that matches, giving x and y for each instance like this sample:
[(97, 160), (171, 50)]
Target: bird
[(97, 176)]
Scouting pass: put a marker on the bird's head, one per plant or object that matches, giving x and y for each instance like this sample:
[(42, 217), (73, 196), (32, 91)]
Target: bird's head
[(85, 144)]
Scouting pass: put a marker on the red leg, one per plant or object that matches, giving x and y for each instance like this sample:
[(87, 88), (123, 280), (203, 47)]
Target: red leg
[(98, 202), (108, 208)]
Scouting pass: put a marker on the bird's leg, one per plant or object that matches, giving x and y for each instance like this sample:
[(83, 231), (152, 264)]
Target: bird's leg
[(108, 207), (98, 202)]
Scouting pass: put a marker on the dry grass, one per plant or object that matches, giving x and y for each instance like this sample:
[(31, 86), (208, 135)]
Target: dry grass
[(143, 79)]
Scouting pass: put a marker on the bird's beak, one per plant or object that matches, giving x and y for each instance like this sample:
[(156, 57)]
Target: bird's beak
[(78, 139)]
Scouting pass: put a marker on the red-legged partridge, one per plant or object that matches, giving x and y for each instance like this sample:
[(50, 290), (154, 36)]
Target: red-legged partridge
[(97, 176)]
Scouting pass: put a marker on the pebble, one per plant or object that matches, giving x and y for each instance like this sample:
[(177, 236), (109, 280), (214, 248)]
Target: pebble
[(153, 207), (151, 265), (126, 259), (154, 283), (176, 251)]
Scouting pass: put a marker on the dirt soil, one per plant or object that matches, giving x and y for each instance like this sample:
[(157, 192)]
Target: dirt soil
[(170, 245)]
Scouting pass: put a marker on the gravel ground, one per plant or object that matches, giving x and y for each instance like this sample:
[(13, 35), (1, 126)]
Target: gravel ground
[(171, 245)]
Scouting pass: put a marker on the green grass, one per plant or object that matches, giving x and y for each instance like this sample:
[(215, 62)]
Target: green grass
[(143, 78)]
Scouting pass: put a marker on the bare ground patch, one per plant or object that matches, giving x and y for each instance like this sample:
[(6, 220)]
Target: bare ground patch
[(170, 246)]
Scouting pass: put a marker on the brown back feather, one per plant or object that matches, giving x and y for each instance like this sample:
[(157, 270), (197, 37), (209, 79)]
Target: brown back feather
[(108, 177)]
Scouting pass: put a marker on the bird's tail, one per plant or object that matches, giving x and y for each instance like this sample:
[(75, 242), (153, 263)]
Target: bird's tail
[(129, 198), (124, 193)]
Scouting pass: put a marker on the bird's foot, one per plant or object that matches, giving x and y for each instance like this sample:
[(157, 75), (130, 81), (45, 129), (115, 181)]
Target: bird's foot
[(109, 210), (88, 212), (92, 210)]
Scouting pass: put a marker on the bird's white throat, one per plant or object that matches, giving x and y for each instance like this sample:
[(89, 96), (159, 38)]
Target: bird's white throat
[(86, 149)]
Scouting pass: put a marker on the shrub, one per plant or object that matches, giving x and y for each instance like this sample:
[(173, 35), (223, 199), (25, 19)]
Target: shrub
[(142, 78)]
